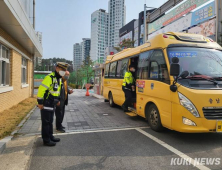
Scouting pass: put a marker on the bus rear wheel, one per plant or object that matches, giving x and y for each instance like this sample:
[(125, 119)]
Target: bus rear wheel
[(153, 117), (111, 102)]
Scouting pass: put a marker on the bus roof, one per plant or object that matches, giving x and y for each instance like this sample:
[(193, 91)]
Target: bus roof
[(165, 40)]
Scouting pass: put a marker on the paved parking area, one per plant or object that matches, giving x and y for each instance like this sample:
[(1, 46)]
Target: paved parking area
[(101, 137), (120, 149), (131, 149), (86, 113)]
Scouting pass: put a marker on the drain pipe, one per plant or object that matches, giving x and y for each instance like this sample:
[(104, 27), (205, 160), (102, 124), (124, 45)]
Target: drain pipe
[(34, 14)]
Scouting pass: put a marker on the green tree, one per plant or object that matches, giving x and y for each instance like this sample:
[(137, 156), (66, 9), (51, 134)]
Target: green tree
[(79, 77), (126, 43), (86, 68), (49, 64), (72, 78)]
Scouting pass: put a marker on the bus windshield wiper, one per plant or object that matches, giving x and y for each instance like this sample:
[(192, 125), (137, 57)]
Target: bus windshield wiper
[(203, 77), (218, 78)]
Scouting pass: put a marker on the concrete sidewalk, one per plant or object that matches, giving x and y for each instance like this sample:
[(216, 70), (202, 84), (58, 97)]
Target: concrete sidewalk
[(17, 153), (85, 113)]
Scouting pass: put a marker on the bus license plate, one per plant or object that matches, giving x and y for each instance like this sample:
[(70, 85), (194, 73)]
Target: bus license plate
[(219, 126)]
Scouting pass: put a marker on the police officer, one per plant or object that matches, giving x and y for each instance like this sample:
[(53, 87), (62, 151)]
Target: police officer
[(128, 86), (48, 97)]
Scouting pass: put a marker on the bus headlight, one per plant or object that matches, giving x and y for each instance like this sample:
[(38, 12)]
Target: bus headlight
[(185, 102)]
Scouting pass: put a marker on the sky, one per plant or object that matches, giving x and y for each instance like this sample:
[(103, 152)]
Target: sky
[(65, 22)]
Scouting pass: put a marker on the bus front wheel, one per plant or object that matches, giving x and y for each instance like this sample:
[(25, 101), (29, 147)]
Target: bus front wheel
[(111, 102), (153, 117)]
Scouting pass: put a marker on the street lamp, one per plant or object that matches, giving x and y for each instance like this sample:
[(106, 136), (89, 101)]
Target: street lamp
[(144, 22)]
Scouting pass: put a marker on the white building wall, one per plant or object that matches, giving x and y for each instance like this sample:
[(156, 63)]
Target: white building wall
[(117, 19), (77, 56), (99, 35)]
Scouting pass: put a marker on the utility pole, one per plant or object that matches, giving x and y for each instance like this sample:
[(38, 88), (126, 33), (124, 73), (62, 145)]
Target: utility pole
[(218, 21), (144, 24), (32, 85)]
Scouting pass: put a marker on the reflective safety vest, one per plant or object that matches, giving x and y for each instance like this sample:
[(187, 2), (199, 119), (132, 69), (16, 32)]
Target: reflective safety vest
[(49, 88), (128, 78)]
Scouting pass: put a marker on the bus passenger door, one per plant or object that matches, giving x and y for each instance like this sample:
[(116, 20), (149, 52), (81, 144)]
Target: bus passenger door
[(153, 84)]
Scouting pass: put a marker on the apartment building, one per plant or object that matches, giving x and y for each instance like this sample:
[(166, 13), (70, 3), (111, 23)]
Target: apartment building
[(117, 19), (99, 35), (77, 56)]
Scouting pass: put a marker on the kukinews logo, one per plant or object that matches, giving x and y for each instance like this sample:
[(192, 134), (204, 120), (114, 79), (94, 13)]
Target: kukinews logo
[(195, 161)]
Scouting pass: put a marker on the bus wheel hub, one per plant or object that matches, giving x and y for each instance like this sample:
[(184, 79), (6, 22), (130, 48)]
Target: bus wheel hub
[(154, 117)]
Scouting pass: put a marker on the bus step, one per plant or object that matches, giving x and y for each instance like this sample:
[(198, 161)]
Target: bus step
[(131, 114), (132, 109)]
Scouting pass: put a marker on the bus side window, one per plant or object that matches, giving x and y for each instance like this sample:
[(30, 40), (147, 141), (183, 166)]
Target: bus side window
[(158, 67), (119, 66), (143, 65), (112, 70), (124, 67), (107, 70)]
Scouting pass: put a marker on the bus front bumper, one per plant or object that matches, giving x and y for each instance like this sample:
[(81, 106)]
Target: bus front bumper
[(201, 123)]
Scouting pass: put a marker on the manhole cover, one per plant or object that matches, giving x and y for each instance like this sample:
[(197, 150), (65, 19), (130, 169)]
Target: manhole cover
[(74, 110), (104, 114), (77, 124)]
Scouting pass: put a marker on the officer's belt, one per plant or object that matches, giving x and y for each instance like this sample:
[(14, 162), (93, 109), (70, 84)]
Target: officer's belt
[(48, 108), (127, 88)]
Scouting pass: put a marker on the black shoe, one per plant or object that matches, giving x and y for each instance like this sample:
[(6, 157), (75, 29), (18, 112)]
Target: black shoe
[(55, 139), (63, 127), (125, 109), (61, 130), (51, 143)]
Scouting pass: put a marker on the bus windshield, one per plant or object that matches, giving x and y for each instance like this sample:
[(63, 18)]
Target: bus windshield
[(198, 61)]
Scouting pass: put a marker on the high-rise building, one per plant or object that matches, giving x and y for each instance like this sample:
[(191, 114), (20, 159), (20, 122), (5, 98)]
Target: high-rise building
[(77, 56), (86, 42), (99, 35), (117, 19)]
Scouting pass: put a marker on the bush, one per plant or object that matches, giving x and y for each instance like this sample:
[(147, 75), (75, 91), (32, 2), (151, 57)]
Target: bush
[(72, 85)]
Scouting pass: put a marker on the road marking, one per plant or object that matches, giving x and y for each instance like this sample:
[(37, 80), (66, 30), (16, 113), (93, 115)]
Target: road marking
[(95, 131), (86, 102), (174, 150), (84, 131)]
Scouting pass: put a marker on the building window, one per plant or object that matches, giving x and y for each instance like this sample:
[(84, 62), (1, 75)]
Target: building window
[(4, 66), (24, 70)]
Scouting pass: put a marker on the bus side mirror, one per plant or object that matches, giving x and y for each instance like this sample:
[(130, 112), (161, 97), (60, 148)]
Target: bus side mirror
[(174, 71), (175, 67)]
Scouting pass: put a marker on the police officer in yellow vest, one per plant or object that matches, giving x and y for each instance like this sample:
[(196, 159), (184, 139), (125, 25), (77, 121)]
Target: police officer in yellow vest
[(48, 97), (128, 86)]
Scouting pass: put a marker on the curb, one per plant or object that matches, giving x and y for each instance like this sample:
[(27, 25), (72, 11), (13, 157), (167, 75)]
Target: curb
[(4, 141), (97, 96)]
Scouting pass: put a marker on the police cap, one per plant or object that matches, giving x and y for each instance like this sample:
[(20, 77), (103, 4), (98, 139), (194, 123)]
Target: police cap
[(62, 65)]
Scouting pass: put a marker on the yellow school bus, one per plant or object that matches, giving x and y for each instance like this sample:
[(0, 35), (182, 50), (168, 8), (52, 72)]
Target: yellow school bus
[(178, 82)]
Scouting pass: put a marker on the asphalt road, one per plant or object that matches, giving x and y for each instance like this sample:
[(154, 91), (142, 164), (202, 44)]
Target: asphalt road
[(123, 144), (126, 149)]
